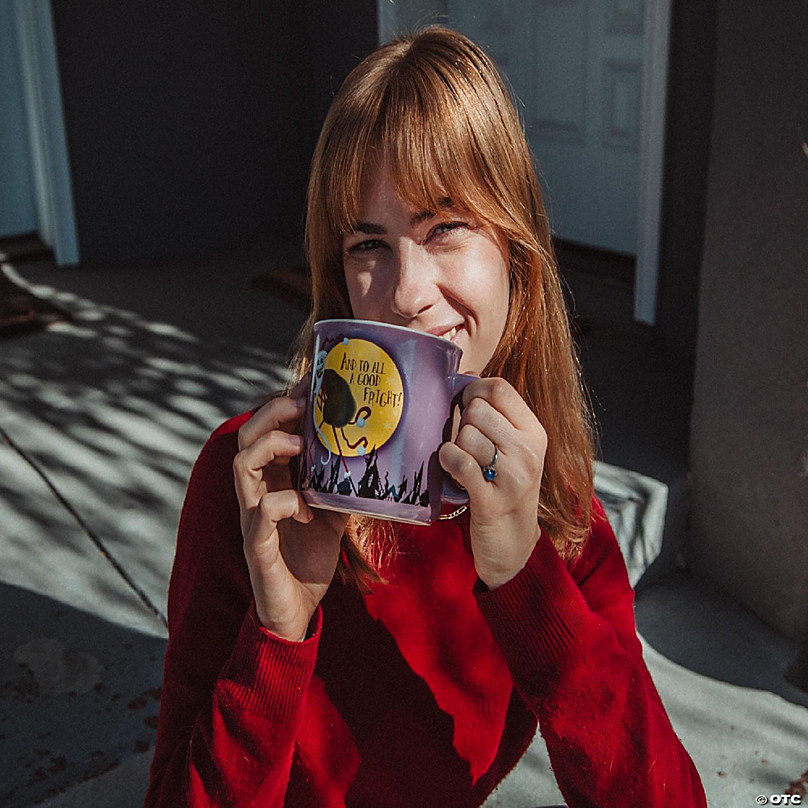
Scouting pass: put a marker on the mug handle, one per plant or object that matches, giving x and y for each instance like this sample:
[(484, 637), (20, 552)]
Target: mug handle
[(452, 493)]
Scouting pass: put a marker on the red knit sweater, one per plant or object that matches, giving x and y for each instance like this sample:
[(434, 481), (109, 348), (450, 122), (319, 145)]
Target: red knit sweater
[(425, 692)]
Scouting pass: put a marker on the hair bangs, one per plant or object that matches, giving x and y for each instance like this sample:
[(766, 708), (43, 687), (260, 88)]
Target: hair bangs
[(344, 182), (435, 124), (427, 141)]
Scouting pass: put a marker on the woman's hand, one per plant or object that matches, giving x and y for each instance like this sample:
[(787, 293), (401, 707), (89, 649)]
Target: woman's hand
[(291, 550), (504, 512)]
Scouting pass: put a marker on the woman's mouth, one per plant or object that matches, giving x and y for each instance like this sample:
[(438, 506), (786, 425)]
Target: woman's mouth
[(453, 333)]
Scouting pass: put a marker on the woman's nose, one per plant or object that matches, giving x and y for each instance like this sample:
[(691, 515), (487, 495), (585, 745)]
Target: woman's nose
[(414, 287)]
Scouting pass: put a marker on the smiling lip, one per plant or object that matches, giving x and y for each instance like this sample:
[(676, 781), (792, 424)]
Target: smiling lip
[(446, 333)]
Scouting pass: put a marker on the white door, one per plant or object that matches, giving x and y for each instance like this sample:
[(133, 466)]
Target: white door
[(592, 77), (576, 66), (17, 205)]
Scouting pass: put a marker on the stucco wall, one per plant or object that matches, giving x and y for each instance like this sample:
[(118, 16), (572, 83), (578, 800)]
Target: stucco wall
[(749, 433)]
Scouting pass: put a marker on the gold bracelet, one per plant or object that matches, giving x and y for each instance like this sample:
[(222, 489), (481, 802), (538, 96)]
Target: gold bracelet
[(461, 509)]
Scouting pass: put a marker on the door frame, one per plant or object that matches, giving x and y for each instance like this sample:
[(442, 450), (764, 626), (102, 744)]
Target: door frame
[(42, 96), (657, 22), (656, 33)]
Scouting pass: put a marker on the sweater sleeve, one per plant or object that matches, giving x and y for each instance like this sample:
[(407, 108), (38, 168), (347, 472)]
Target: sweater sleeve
[(572, 647), (233, 693)]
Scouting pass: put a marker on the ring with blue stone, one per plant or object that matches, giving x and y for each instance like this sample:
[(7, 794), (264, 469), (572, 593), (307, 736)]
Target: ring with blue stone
[(490, 471)]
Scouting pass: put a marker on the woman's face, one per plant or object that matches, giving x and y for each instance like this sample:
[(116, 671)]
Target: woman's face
[(444, 272)]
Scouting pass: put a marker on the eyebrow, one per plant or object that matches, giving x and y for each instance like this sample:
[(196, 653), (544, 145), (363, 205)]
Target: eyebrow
[(376, 229)]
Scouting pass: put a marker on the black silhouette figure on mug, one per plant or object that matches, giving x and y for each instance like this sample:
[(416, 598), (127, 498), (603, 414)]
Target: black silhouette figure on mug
[(339, 409)]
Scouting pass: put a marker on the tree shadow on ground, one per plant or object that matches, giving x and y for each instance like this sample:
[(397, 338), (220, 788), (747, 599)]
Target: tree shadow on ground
[(112, 410)]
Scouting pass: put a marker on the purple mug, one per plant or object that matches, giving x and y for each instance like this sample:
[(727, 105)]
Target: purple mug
[(380, 405)]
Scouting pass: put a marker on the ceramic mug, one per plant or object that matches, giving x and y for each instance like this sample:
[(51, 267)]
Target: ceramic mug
[(379, 407)]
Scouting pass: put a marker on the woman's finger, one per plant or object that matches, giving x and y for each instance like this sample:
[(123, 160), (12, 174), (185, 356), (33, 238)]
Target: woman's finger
[(504, 398), (261, 538), (492, 423), (465, 459), (249, 463), (525, 447), (475, 443), (279, 411), (486, 438), (463, 468)]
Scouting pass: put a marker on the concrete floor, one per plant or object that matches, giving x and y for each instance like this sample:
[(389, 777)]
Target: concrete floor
[(100, 422)]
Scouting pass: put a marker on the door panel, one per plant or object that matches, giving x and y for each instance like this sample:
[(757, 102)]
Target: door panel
[(576, 67)]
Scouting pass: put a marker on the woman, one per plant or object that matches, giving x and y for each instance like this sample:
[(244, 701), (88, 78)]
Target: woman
[(321, 660)]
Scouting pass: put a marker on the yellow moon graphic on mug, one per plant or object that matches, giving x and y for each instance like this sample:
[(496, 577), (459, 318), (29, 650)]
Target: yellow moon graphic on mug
[(358, 398)]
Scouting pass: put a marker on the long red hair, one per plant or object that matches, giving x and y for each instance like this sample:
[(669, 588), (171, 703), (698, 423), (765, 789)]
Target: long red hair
[(433, 108)]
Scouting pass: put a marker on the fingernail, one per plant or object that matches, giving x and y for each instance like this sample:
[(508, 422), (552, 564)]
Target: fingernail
[(299, 402), (296, 441)]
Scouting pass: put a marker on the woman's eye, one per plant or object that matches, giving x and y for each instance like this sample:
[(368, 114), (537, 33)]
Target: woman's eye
[(365, 246), (447, 227)]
